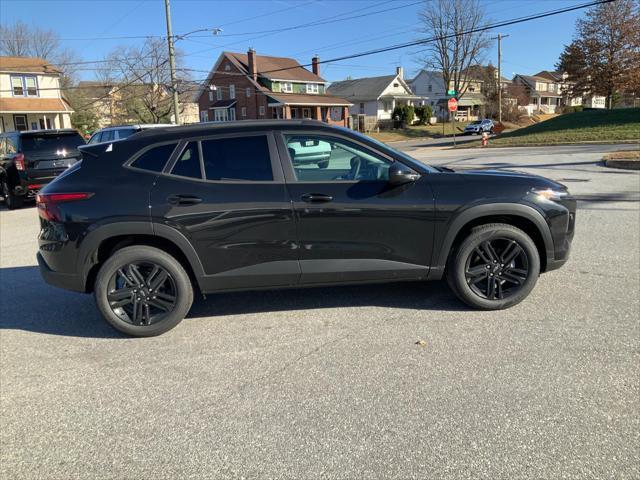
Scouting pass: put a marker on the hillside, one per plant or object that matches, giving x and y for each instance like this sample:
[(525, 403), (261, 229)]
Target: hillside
[(578, 127)]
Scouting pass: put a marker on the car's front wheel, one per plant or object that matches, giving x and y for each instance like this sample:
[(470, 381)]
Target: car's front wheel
[(143, 291), (495, 267)]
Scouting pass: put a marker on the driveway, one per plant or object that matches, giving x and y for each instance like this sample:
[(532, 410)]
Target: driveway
[(392, 381)]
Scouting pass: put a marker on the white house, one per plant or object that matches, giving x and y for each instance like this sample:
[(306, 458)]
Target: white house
[(30, 97), (430, 83), (376, 96)]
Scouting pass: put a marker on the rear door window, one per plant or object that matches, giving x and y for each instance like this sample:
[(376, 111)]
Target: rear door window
[(188, 163), (155, 158), (237, 158), (124, 133)]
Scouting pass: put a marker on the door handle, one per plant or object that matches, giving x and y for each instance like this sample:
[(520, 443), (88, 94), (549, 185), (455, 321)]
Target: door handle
[(183, 199), (316, 198)]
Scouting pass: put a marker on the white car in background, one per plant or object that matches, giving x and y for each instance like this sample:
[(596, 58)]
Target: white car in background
[(479, 127), (111, 134)]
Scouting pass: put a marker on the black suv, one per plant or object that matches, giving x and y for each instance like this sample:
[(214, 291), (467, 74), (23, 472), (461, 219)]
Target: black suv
[(31, 159), (145, 222)]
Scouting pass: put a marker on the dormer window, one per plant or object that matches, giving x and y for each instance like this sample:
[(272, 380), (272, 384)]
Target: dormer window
[(313, 88), (24, 86), (286, 87)]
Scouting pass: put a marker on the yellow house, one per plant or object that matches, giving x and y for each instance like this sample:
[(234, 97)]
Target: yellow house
[(30, 96)]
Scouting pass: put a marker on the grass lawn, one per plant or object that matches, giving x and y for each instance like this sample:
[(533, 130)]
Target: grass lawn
[(579, 127), (418, 131)]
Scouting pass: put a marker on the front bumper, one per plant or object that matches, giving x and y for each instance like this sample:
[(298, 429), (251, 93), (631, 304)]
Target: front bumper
[(68, 281)]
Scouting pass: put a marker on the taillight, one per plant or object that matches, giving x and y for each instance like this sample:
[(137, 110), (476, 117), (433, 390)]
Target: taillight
[(19, 161), (47, 203)]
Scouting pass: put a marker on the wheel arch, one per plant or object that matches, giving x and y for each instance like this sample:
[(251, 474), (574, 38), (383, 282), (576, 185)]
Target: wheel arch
[(521, 216), (105, 240)]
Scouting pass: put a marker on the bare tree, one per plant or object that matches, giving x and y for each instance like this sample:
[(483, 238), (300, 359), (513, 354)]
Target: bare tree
[(142, 81), (454, 50), (22, 40)]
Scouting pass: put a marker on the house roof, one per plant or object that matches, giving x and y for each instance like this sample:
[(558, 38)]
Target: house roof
[(42, 105), (361, 89), (531, 80), (275, 68), (27, 65), (307, 99), (555, 76), (223, 104)]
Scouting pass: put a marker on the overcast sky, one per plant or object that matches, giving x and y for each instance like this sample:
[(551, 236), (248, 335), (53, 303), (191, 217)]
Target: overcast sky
[(531, 47)]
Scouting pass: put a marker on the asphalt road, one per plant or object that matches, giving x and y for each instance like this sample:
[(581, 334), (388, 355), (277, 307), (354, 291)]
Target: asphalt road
[(330, 382)]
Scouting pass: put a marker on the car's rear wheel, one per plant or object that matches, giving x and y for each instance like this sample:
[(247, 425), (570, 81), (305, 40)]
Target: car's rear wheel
[(12, 200), (495, 267), (143, 291)]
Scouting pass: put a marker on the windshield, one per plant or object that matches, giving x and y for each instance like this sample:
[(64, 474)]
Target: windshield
[(477, 122), (41, 143)]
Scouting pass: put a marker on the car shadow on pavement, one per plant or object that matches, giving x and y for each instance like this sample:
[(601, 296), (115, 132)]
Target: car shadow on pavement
[(27, 303), (404, 295)]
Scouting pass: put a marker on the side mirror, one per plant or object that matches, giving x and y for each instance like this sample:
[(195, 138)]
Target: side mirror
[(400, 174)]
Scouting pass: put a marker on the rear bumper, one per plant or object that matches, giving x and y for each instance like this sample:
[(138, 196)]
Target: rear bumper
[(67, 281)]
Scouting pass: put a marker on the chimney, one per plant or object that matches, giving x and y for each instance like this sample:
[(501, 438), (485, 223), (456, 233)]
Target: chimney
[(400, 72), (253, 70), (315, 65)]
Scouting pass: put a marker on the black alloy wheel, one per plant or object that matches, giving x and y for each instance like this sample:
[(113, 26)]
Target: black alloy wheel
[(142, 293), (497, 268)]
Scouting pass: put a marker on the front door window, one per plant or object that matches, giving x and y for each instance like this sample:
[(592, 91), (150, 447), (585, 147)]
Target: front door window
[(318, 158)]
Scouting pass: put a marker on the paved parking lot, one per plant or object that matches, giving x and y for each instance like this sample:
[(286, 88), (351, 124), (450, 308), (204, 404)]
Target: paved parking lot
[(331, 382)]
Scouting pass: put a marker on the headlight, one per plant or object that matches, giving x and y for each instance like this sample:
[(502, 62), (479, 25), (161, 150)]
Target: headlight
[(550, 194)]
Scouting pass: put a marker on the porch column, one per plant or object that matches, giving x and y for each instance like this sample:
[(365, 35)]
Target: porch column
[(286, 112), (327, 115), (345, 116), (318, 113)]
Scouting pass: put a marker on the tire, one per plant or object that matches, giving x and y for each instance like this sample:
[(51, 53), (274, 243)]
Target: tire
[(111, 289), (501, 285), (323, 164), (11, 200)]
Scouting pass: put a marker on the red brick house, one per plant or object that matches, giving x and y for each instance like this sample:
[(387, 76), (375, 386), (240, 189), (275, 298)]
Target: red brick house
[(249, 86)]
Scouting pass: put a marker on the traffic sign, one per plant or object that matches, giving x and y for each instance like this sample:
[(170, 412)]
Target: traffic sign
[(453, 105)]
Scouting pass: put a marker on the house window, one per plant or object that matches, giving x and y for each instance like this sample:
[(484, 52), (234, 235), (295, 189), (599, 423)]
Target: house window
[(244, 111), (386, 105), (210, 96), (227, 67), (396, 85), (312, 88), (220, 115), (204, 116), (20, 122), (294, 112), (261, 110), (286, 87), (362, 108), (306, 113), (24, 86), (219, 93), (430, 88), (232, 91), (248, 92)]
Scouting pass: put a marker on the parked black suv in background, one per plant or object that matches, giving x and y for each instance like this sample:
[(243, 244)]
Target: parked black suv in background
[(147, 221), (31, 159)]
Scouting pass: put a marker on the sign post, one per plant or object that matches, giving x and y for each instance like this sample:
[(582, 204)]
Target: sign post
[(453, 107)]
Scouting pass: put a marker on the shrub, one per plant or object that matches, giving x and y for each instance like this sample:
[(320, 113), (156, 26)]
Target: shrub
[(404, 114), (424, 114), (574, 109)]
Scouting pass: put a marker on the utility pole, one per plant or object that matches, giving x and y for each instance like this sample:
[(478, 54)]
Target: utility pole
[(500, 37), (172, 63)]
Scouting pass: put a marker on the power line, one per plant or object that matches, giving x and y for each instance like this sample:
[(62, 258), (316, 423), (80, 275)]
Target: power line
[(406, 44)]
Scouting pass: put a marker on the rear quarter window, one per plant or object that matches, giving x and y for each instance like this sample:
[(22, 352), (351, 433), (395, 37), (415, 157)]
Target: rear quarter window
[(155, 158)]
